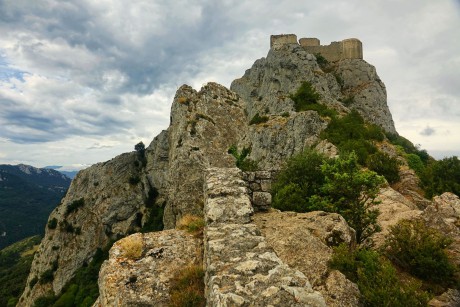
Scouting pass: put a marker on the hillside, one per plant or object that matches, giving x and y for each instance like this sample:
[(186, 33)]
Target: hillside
[(27, 196), (220, 229)]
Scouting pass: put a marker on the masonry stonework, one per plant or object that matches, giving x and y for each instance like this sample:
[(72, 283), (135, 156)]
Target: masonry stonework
[(350, 48)]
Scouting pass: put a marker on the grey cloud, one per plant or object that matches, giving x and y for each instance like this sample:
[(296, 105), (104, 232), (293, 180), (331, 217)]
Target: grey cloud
[(428, 131)]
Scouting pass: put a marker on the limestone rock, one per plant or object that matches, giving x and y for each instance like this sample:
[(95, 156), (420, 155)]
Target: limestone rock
[(203, 126), (102, 203), (393, 208), (328, 149), (444, 215), (277, 140), (360, 81), (409, 187), (450, 298), (303, 241), (141, 266)]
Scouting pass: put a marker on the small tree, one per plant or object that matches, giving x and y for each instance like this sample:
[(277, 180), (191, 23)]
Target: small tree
[(352, 192), (140, 148)]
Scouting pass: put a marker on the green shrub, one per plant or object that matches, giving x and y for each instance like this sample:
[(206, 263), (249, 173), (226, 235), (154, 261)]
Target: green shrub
[(322, 61), (376, 278), (442, 176), (242, 160), (298, 181), (187, 287), (348, 101), (133, 180), (420, 250), (384, 165), (47, 276), (415, 163), (52, 223), (285, 114), (304, 96), (311, 182), (45, 301), (75, 205), (257, 119), (352, 192)]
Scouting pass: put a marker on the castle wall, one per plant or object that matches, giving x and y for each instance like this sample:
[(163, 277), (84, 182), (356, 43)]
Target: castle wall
[(350, 48), (282, 39)]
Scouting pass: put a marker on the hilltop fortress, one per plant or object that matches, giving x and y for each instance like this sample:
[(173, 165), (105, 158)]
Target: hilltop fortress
[(350, 48)]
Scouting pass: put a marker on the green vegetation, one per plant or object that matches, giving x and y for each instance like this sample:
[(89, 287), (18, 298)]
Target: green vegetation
[(242, 160), (134, 180), (311, 182), (441, 176), (257, 119), (306, 98), (15, 262), (82, 290), (351, 133), (187, 287), (74, 205), (52, 223), (376, 278), (191, 223), (384, 165), (140, 149), (421, 251)]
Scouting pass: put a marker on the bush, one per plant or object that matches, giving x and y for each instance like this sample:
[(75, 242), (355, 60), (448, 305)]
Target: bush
[(131, 247), (242, 160), (298, 181), (352, 192), (304, 96), (384, 165), (420, 250), (187, 287), (415, 163), (376, 278), (47, 276), (442, 176), (257, 119), (75, 205), (52, 223)]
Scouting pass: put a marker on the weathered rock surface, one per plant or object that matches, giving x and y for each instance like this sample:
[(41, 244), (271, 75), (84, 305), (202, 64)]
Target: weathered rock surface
[(204, 125), (241, 269), (450, 298), (303, 241), (393, 208), (360, 81), (444, 215), (126, 280), (111, 208)]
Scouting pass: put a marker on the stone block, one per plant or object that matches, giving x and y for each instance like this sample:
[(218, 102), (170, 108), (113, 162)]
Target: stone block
[(261, 201)]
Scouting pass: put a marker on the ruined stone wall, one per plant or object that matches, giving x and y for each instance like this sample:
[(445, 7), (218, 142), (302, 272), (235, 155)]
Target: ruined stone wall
[(241, 268), (350, 48), (282, 39), (259, 187)]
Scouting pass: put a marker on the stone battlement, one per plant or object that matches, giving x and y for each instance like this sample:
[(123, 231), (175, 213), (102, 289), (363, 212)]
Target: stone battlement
[(350, 48)]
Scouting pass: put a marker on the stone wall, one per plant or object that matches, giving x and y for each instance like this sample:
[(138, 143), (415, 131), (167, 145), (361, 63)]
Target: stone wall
[(350, 48), (259, 187), (241, 268)]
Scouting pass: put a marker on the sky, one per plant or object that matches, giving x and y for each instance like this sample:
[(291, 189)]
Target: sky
[(82, 81)]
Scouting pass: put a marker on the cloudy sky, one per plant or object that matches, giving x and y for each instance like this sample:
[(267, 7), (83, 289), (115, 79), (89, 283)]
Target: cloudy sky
[(82, 81)]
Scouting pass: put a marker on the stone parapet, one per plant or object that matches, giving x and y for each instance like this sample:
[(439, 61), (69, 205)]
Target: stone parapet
[(241, 268)]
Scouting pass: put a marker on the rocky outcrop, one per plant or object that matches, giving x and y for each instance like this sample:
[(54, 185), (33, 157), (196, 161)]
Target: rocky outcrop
[(204, 125), (304, 241), (450, 298), (104, 202), (241, 268), (140, 268)]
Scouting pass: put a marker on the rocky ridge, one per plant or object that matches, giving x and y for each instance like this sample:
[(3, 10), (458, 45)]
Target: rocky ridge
[(171, 174)]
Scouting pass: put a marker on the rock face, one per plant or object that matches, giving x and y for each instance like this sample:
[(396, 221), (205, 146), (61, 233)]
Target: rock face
[(141, 266), (303, 241), (204, 125), (241, 268), (101, 205)]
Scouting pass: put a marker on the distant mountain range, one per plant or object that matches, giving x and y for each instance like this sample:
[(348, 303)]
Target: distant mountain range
[(27, 196), (70, 174)]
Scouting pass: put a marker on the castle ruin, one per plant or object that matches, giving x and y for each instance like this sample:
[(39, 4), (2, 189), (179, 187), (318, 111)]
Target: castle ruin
[(350, 48)]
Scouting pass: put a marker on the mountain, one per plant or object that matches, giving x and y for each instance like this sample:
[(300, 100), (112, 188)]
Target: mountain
[(70, 174), (27, 196), (186, 177)]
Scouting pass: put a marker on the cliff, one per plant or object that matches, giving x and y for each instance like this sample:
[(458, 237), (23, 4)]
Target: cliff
[(187, 170)]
